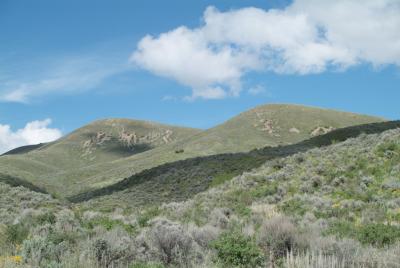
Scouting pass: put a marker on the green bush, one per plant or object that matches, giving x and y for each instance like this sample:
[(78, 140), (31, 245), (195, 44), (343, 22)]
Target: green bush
[(16, 233), (109, 224), (147, 215), (48, 217), (388, 149), (378, 234), (235, 249), (293, 207), (341, 229)]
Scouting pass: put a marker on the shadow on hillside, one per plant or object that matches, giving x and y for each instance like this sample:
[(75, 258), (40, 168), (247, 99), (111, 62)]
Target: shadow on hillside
[(15, 182), (24, 149), (180, 180)]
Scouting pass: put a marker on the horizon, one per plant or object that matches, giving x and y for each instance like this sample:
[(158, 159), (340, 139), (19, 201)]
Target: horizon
[(66, 64)]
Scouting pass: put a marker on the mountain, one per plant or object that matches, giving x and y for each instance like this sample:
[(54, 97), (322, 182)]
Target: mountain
[(107, 151)]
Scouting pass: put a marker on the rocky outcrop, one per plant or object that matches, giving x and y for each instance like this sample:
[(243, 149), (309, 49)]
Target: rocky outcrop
[(321, 130)]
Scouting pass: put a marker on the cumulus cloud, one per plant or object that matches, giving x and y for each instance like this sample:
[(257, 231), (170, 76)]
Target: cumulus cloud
[(308, 36), (34, 132)]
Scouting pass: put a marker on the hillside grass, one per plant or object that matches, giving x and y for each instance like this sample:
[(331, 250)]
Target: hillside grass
[(181, 180), (65, 168), (331, 206)]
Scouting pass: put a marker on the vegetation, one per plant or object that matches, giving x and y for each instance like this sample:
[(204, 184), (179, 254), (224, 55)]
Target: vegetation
[(107, 151), (330, 201)]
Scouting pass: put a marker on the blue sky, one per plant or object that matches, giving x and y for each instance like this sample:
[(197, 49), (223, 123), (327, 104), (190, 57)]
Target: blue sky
[(77, 61)]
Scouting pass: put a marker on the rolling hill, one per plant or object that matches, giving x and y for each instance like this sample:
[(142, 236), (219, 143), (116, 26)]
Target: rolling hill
[(330, 201), (181, 180), (107, 151), (49, 165)]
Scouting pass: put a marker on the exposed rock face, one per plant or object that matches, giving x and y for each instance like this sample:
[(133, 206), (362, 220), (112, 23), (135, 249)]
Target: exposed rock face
[(126, 138), (294, 130), (264, 123), (268, 126), (321, 130)]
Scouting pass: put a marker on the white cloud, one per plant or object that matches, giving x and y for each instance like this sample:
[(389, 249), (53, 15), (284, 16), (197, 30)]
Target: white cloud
[(183, 55), (34, 132), (308, 36)]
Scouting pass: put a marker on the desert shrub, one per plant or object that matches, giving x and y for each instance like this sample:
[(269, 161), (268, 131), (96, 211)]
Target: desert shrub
[(220, 217), (146, 215), (16, 233), (113, 248), (236, 249), (173, 244), (66, 221), (279, 236), (293, 206), (102, 252), (47, 217), (39, 251), (238, 201), (203, 235)]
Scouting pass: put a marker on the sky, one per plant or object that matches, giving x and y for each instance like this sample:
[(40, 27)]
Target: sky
[(194, 63)]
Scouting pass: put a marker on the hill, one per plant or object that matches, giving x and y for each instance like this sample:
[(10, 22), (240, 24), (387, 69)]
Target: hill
[(49, 165), (107, 151), (181, 180), (330, 201)]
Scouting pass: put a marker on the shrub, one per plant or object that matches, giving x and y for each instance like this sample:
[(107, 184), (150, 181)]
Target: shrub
[(113, 248), (150, 213), (47, 217), (39, 251), (108, 224), (235, 249), (388, 149), (203, 235), (171, 241), (102, 252), (16, 233), (293, 206), (378, 234), (279, 236)]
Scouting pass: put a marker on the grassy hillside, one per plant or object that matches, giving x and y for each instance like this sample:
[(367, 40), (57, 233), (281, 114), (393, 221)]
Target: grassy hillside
[(183, 179), (270, 125), (51, 166), (331, 206), (105, 152)]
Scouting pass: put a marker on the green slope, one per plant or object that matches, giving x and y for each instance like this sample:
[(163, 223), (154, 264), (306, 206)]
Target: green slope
[(50, 166), (181, 180), (242, 133), (101, 153)]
